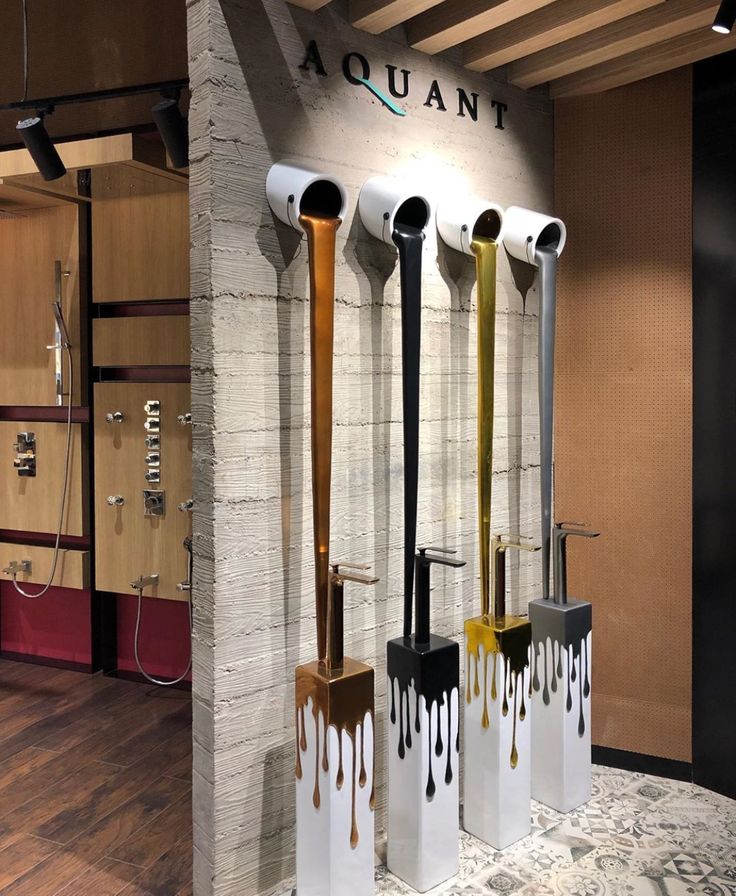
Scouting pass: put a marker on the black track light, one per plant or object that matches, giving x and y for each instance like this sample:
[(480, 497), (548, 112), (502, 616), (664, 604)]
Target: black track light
[(725, 17), (34, 135), (172, 126)]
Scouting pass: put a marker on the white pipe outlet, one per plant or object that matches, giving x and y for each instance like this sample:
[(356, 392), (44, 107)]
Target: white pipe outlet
[(460, 221), (526, 231), (385, 202), (294, 189)]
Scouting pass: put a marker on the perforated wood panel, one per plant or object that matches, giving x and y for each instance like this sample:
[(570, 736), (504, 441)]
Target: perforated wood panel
[(30, 242), (130, 544), (140, 235), (31, 504), (623, 400)]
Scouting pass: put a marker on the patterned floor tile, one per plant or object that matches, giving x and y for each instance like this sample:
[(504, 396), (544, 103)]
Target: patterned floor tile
[(638, 836)]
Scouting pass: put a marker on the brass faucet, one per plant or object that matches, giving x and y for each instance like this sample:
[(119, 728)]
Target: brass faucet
[(499, 545)]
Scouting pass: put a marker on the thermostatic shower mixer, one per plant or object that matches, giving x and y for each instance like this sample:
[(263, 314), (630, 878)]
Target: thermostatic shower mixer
[(25, 454), (114, 417)]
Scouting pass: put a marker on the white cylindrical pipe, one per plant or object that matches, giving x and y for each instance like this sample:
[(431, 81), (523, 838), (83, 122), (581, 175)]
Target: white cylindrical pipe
[(525, 231), (459, 221), (294, 189), (387, 201)]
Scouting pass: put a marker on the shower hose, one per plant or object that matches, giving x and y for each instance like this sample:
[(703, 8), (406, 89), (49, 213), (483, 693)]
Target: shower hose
[(161, 682), (64, 490)]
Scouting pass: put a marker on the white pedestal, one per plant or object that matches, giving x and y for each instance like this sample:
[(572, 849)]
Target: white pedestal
[(335, 840), (561, 742), (496, 795), (423, 831)]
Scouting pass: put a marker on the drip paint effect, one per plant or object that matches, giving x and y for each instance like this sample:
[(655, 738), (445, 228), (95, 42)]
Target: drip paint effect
[(347, 713), (575, 671), (432, 671), (507, 640)]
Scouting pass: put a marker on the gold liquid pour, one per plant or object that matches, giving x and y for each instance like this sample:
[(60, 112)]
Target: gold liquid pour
[(485, 251), (315, 794), (321, 239)]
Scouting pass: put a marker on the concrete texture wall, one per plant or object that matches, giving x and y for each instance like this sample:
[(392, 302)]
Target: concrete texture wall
[(252, 105)]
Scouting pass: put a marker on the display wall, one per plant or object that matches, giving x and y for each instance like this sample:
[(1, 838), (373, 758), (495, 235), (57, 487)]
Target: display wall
[(253, 105), (623, 433)]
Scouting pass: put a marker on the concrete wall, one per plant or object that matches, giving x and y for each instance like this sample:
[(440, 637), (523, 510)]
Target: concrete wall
[(252, 105)]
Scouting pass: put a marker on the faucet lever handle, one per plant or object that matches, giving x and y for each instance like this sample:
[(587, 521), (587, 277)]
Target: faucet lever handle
[(339, 575), (143, 582), (423, 556), (504, 541), (565, 529)]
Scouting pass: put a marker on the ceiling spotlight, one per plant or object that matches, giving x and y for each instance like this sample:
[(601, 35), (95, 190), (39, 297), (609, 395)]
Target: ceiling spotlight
[(172, 126), (34, 135), (725, 18)]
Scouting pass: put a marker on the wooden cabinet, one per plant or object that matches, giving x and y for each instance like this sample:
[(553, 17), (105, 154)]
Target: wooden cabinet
[(128, 542)]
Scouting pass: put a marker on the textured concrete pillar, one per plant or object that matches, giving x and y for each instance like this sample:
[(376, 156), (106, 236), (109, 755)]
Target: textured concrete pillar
[(252, 105)]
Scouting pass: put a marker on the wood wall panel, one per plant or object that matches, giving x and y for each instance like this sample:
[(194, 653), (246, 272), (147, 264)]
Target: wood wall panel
[(31, 504), (130, 544), (30, 242), (140, 235), (624, 400), (72, 568), (153, 340)]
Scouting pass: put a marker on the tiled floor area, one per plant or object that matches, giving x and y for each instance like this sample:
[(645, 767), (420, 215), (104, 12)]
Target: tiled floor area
[(638, 836)]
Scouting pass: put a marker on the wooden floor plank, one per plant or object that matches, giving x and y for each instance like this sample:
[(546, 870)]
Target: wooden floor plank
[(140, 743), (106, 878), (160, 835), (32, 816), (170, 874), (70, 863), (93, 771), (22, 854), (116, 789)]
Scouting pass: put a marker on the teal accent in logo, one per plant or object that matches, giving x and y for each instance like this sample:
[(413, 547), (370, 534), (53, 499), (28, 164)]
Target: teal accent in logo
[(379, 94)]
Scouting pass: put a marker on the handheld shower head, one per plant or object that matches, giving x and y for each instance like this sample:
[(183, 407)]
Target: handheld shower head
[(61, 325)]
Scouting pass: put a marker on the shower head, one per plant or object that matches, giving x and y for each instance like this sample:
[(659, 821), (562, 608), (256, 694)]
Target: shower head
[(61, 325)]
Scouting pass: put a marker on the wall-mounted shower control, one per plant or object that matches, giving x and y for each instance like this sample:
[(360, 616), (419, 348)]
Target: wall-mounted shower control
[(153, 443), (15, 568), (153, 424), (154, 503), (186, 506), (115, 417), (152, 407), (153, 459), (184, 419), (153, 476), (25, 454), (115, 500)]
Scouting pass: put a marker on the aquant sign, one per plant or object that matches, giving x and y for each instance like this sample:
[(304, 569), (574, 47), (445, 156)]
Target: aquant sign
[(357, 70)]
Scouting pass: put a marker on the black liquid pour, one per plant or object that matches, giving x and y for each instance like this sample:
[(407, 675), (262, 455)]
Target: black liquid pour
[(575, 652), (409, 241)]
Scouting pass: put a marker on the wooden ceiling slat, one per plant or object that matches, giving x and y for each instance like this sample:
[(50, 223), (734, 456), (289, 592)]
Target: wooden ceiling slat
[(376, 16), (552, 25), (643, 29), (311, 5), (645, 63), (455, 21)]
